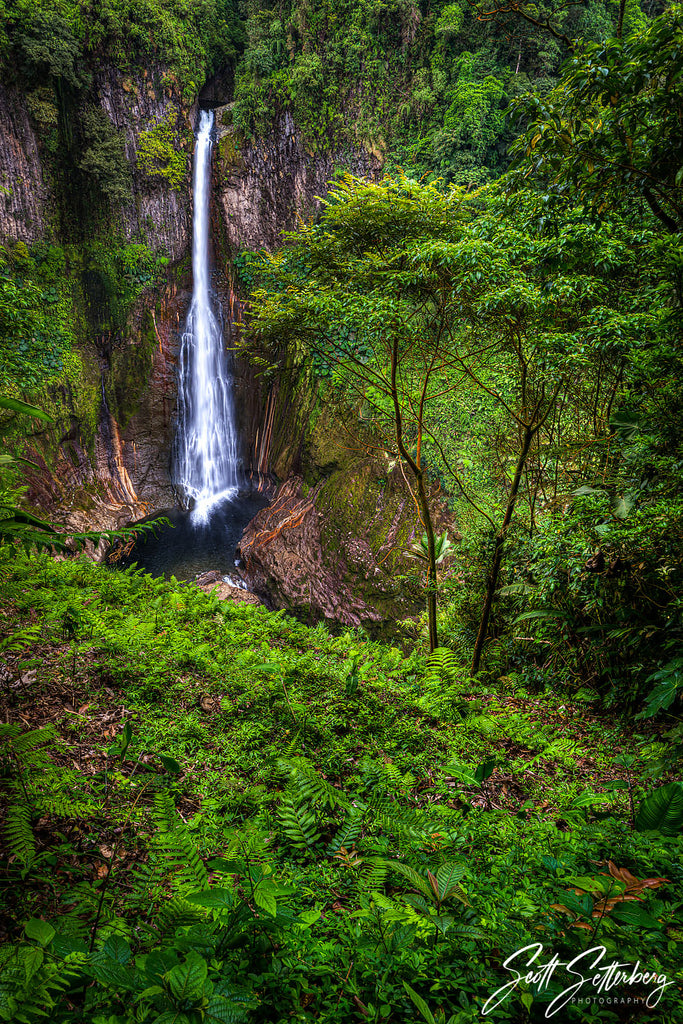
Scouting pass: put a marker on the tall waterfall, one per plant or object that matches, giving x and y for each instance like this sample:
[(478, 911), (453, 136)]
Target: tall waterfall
[(206, 458)]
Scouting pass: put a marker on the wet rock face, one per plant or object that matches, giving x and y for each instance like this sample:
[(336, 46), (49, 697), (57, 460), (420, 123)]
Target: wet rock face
[(264, 185), (25, 196), (125, 474), (158, 212), (322, 554)]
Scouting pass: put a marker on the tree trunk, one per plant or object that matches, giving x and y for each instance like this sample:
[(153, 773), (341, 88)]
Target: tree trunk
[(497, 561), (422, 499), (431, 566)]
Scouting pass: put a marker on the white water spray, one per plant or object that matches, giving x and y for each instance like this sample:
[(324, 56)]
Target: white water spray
[(206, 463)]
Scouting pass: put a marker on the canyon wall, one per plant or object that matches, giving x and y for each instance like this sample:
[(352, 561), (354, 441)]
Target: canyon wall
[(331, 543)]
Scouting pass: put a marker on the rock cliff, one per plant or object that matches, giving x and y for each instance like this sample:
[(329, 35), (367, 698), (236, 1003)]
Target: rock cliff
[(265, 185), (333, 541), (25, 194), (145, 109)]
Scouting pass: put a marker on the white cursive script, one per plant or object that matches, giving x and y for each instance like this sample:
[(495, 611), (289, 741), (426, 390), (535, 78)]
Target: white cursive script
[(587, 968)]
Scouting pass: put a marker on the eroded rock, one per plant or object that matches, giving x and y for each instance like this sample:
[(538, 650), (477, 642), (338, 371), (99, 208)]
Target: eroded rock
[(227, 592), (335, 551), (264, 185)]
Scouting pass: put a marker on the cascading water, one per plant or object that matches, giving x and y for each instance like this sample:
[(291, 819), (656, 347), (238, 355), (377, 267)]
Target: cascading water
[(206, 469)]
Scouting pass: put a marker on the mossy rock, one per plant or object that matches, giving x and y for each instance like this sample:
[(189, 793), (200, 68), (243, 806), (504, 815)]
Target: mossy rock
[(228, 152), (131, 369)]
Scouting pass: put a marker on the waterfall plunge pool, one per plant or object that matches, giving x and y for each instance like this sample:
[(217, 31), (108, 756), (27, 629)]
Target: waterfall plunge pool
[(191, 546), (207, 466)]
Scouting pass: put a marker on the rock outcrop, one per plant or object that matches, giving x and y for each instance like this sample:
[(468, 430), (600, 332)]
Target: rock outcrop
[(25, 194), (334, 551), (214, 583), (265, 185)]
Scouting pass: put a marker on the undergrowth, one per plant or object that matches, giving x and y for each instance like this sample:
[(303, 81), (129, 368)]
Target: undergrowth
[(215, 813)]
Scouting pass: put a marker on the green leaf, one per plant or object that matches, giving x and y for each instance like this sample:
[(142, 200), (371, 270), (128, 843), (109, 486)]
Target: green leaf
[(541, 613), (588, 799), (265, 900), (116, 948), (448, 876), (32, 958), (170, 764), (662, 810), (420, 1003), (186, 981), (23, 407), (582, 491), (413, 877), (456, 771), (213, 899), (485, 769), (230, 867), (224, 1011), (636, 915), (40, 931), (308, 917), (111, 973)]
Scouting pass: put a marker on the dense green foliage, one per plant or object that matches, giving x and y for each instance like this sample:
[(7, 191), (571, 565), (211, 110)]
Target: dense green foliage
[(611, 129), (211, 812), (426, 84), (250, 820), (63, 41), (504, 344)]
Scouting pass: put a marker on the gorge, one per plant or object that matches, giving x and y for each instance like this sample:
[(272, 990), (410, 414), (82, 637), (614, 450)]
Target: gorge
[(380, 304), (207, 469)]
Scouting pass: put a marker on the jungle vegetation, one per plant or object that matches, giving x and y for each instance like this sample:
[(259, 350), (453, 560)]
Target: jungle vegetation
[(212, 812)]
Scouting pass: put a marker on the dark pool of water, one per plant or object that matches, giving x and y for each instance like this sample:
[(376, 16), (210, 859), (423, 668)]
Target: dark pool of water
[(187, 548)]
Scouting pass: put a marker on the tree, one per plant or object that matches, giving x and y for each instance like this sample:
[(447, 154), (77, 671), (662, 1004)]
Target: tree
[(358, 292), (611, 131), (407, 297)]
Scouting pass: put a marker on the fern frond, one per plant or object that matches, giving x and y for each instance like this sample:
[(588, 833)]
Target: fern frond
[(177, 847), (297, 821), (177, 913), (373, 875), (442, 666), (311, 786), (164, 813), (348, 833), (18, 830)]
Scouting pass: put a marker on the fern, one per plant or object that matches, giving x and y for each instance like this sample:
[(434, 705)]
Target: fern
[(385, 777), (176, 847), (298, 823), (402, 822), (349, 832), (311, 786), (442, 666), (18, 830), (35, 784), (373, 875), (29, 981)]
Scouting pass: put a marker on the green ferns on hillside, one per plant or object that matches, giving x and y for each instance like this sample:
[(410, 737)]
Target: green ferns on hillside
[(217, 826)]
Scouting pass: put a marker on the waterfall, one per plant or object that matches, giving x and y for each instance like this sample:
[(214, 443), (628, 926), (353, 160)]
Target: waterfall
[(206, 459)]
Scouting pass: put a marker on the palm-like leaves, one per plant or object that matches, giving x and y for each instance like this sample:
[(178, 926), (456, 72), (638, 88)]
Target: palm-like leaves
[(420, 549)]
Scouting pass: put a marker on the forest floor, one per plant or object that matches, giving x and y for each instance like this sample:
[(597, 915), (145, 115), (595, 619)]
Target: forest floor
[(387, 830)]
